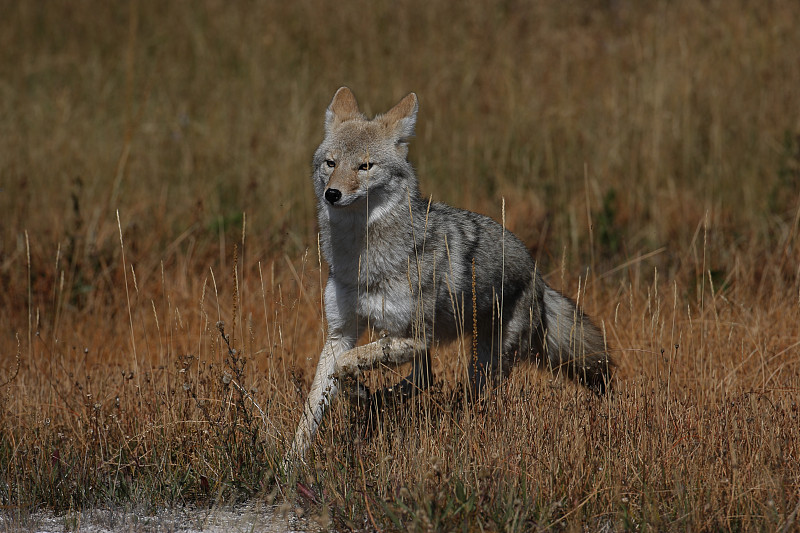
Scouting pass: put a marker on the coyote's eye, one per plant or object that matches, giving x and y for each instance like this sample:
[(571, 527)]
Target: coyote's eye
[(330, 162), (365, 166)]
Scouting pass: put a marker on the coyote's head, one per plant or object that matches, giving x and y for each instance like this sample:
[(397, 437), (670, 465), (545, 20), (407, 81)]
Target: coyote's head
[(361, 164)]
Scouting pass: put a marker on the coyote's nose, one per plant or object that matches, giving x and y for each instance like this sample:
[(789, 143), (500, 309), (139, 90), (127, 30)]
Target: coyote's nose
[(333, 195)]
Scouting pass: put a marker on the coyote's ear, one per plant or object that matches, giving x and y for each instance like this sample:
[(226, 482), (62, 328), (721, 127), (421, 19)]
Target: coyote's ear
[(343, 107), (402, 118)]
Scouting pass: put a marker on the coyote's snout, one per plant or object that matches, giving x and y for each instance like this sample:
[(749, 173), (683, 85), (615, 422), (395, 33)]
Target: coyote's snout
[(421, 272)]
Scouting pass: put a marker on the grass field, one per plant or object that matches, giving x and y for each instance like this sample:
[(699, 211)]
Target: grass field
[(160, 280)]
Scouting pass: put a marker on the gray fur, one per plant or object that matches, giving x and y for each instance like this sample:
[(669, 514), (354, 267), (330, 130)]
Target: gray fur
[(403, 265)]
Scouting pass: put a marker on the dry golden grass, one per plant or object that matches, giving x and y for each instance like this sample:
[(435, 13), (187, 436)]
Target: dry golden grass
[(654, 146)]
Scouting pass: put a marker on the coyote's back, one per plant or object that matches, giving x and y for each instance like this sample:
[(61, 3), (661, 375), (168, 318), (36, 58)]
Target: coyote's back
[(424, 272)]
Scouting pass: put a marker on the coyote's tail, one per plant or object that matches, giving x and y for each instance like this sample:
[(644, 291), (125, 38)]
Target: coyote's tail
[(573, 344)]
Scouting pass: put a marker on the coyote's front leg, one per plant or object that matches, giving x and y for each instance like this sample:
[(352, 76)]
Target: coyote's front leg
[(388, 351), (323, 391), (334, 365), (343, 333)]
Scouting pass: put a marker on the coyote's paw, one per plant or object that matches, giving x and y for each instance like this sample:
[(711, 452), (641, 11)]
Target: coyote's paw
[(374, 413), (383, 398), (356, 391)]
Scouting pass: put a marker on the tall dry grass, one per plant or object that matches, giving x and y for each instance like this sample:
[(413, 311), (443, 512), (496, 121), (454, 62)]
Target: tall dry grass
[(154, 183)]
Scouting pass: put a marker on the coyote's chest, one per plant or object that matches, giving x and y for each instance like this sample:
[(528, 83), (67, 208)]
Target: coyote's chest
[(386, 306), (379, 280), (384, 295)]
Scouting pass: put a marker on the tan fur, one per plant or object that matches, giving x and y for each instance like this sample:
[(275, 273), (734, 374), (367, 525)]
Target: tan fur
[(344, 106)]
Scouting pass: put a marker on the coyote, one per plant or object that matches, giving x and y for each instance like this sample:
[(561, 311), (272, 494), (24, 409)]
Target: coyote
[(423, 272)]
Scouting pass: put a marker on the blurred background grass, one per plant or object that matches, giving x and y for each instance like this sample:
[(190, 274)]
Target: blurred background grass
[(623, 135), (185, 115)]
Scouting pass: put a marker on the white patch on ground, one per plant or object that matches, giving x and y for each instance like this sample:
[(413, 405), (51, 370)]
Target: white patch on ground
[(246, 518)]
